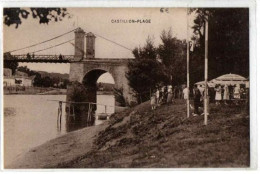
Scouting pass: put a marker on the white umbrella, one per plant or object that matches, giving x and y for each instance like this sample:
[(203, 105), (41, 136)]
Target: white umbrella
[(229, 79)]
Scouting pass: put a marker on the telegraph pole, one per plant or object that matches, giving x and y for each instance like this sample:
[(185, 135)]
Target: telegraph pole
[(188, 67), (206, 73)]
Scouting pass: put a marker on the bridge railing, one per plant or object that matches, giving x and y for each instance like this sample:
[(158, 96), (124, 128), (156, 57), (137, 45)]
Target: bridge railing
[(39, 57), (57, 58)]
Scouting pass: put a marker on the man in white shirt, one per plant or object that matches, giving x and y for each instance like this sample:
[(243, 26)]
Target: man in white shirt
[(185, 93)]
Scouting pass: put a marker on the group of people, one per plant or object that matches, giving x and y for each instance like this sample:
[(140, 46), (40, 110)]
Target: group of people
[(166, 94), (226, 93), (161, 96), (219, 93)]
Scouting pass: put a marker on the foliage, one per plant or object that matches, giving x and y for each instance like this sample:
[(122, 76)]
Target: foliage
[(78, 93), (119, 97), (147, 52), (11, 65), (45, 15), (45, 81), (173, 55), (145, 72), (228, 42)]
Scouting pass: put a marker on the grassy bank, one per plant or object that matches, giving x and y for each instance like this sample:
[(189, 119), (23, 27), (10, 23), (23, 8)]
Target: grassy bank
[(140, 138)]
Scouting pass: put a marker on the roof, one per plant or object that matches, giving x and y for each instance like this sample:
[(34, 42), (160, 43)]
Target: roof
[(231, 77)]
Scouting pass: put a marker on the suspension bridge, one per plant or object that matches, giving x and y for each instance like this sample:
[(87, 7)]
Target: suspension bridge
[(33, 57), (84, 66)]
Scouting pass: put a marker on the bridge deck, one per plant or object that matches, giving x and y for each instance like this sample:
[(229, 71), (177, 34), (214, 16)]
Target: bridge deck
[(59, 59)]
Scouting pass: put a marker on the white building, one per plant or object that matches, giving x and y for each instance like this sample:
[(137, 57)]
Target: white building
[(19, 79)]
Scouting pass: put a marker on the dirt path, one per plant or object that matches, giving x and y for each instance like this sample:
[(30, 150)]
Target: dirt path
[(60, 150)]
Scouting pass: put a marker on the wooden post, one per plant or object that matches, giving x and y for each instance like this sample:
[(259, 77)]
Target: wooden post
[(206, 74), (89, 111), (188, 66), (73, 112), (105, 108), (58, 116), (60, 107)]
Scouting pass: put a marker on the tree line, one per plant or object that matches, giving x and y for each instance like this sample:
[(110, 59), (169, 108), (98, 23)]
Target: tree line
[(39, 80), (45, 81), (228, 52)]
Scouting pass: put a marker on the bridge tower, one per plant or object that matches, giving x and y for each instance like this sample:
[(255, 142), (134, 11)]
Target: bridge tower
[(90, 49)]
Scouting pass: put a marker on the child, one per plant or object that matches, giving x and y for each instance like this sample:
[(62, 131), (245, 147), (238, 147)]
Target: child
[(153, 101)]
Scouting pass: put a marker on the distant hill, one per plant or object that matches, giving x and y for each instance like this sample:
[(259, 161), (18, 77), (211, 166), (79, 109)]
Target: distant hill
[(105, 86), (54, 75)]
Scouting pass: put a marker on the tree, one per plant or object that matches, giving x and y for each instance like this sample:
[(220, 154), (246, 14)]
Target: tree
[(37, 80), (24, 69), (47, 81), (145, 73), (228, 42), (147, 52), (10, 64), (173, 55), (44, 15), (119, 97)]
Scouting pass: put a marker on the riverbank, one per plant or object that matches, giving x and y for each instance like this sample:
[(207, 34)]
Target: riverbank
[(62, 149), (43, 91), (34, 91), (142, 138)]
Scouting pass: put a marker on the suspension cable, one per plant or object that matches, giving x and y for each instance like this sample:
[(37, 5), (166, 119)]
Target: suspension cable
[(42, 42), (52, 46), (114, 42)]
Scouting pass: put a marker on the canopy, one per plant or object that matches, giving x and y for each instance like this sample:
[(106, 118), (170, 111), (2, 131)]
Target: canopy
[(229, 79)]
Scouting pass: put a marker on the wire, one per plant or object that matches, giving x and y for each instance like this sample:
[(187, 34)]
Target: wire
[(42, 42), (52, 46), (112, 42)]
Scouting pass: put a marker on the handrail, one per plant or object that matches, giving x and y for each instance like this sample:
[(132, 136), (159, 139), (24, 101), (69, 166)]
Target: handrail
[(81, 103)]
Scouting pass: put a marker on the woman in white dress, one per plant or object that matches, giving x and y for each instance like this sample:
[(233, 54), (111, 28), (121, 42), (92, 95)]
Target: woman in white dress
[(169, 94), (153, 101), (218, 94), (237, 92), (158, 97), (226, 94)]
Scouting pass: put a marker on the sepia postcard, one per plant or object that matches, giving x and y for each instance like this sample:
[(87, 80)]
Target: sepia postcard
[(136, 86)]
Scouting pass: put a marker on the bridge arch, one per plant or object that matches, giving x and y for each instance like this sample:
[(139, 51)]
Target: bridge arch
[(90, 82)]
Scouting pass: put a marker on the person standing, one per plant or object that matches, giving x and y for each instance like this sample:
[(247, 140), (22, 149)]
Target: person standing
[(185, 93), (169, 95), (197, 96), (158, 97), (153, 101), (218, 94), (237, 92), (226, 94)]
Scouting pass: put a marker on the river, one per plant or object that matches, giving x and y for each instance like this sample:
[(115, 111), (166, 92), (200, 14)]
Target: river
[(31, 120)]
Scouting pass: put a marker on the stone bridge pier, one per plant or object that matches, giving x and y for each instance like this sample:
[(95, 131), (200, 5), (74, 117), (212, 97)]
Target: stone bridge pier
[(88, 68)]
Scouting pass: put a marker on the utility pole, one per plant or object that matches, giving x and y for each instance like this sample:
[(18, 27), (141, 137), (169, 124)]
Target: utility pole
[(206, 73), (188, 67)]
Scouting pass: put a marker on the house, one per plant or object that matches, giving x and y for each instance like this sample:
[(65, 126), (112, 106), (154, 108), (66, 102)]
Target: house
[(19, 79)]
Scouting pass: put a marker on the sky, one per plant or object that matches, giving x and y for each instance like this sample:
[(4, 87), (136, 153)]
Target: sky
[(98, 21)]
